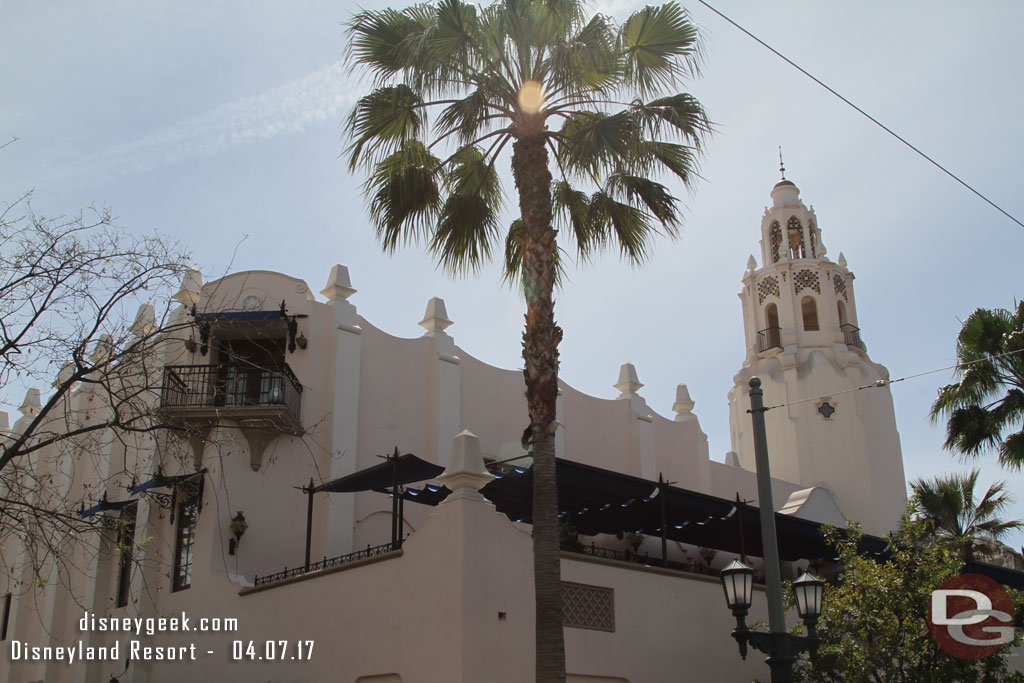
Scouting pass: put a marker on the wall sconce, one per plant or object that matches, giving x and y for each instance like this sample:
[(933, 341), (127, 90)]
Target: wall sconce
[(238, 527), (635, 539), (301, 341), (190, 344)]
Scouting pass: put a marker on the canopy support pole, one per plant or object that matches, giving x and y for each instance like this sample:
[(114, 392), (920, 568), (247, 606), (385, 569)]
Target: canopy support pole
[(309, 520), (401, 518), (664, 521), (394, 499)]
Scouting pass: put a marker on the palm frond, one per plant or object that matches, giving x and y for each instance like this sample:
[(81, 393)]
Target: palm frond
[(379, 40), (469, 117), (592, 141), (513, 272), (404, 194), (587, 62), (467, 225), (571, 209), (657, 199), (970, 430), (471, 173), (454, 39), (631, 227), (466, 229), (948, 503), (1011, 451), (679, 160), (990, 360), (550, 21), (381, 122), (661, 46), (681, 114)]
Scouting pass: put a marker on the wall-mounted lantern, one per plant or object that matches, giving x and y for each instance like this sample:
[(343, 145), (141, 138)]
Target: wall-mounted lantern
[(238, 527)]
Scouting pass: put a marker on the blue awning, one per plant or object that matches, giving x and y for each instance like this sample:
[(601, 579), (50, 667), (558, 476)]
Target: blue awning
[(239, 316), (160, 481), (103, 506), (1004, 575), (405, 469)]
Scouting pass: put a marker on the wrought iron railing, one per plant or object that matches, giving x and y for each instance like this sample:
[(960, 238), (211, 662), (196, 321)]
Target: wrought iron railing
[(226, 385), (851, 335), (326, 563), (769, 338)]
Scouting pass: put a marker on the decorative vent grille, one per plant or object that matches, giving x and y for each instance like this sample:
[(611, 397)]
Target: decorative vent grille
[(840, 285), (806, 279), (767, 287), (591, 607), (776, 240)]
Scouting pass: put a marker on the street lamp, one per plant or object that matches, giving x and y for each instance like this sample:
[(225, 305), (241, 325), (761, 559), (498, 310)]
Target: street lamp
[(737, 581), (781, 647)]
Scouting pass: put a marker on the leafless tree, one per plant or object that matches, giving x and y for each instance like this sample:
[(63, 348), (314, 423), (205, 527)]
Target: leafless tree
[(76, 316)]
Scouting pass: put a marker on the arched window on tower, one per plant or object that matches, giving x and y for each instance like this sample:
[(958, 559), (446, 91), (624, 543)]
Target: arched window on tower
[(770, 337), (810, 314), (796, 239), (775, 235), (842, 313), (812, 229)]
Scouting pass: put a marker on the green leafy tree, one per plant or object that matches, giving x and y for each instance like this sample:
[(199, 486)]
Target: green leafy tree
[(577, 103), (985, 409), (951, 512), (874, 623)]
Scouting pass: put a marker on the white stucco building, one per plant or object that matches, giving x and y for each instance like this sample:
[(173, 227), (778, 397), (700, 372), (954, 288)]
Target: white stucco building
[(279, 387)]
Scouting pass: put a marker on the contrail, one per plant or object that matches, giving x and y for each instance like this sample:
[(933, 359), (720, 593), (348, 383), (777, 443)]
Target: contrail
[(321, 96)]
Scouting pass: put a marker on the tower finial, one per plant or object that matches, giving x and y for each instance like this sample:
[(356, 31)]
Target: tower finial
[(782, 169)]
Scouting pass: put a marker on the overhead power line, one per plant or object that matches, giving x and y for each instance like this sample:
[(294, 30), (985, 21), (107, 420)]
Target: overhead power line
[(887, 382), (865, 114)]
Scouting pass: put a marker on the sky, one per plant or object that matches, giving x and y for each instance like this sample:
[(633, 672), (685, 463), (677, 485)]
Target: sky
[(219, 124)]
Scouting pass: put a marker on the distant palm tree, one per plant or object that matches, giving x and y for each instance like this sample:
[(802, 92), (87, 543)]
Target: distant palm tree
[(969, 526), (503, 74), (990, 361)]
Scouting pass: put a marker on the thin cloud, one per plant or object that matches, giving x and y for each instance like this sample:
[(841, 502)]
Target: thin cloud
[(319, 97)]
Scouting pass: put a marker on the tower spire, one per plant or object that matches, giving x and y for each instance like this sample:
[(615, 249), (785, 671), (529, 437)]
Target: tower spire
[(782, 169)]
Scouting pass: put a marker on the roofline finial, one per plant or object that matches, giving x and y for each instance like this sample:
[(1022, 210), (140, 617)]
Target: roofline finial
[(782, 169)]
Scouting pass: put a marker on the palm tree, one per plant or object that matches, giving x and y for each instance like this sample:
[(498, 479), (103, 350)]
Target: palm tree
[(990, 361), (512, 72), (969, 526)]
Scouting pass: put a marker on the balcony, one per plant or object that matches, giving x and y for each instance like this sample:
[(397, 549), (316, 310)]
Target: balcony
[(851, 335), (260, 397), (769, 338)]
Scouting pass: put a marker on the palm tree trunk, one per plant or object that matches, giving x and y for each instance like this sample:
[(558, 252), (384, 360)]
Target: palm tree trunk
[(540, 353)]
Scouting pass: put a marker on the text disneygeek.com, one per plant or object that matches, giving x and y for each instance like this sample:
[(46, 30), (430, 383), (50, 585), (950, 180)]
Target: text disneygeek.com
[(135, 649)]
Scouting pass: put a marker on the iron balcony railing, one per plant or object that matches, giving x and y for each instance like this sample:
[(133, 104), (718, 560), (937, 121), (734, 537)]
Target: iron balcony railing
[(228, 385), (327, 563), (769, 338), (851, 335)]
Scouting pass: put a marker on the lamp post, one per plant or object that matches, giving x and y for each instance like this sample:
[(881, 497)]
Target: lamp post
[(781, 647)]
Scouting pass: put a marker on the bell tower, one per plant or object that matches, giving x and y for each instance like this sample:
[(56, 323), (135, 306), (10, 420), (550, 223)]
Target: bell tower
[(803, 341)]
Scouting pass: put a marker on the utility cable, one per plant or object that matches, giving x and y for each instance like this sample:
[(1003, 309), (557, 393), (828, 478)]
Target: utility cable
[(887, 382), (865, 114)]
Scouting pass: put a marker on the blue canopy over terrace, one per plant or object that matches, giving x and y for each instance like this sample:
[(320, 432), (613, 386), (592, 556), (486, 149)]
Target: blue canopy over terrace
[(600, 501)]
